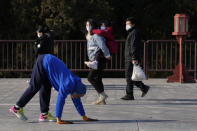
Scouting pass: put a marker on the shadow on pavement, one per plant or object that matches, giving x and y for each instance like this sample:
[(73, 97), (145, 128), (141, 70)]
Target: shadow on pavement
[(133, 121), (109, 121)]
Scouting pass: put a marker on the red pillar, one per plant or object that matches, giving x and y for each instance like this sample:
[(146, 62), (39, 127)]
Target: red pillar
[(180, 40), (180, 73)]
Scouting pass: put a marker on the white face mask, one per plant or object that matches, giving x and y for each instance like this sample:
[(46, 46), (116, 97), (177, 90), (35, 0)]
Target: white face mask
[(128, 27), (103, 27), (88, 28), (38, 35)]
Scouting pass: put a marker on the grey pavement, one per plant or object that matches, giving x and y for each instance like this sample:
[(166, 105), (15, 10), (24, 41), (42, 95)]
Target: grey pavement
[(167, 107)]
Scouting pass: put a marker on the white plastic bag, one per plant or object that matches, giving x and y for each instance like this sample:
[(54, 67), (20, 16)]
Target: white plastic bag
[(138, 73)]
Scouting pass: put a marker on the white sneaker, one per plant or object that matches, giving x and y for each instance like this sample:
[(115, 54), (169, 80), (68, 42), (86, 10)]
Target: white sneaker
[(92, 64), (99, 102), (101, 99)]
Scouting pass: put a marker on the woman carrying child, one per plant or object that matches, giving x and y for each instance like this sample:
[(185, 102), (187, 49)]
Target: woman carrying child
[(97, 50)]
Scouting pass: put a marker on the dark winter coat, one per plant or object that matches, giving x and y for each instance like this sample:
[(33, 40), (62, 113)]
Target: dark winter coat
[(43, 46), (133, 45)]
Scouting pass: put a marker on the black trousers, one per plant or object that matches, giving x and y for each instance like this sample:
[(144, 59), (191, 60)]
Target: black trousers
[(95, 76), (39, 82), (130, 83)]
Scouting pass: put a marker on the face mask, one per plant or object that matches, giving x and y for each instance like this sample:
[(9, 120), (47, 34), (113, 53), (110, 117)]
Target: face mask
[(88, 28), (103, 28), (128, 27), (38, 35)]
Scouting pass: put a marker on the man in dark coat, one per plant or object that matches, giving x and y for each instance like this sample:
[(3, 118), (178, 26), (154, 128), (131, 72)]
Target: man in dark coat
[(44, 43), (133, 47)]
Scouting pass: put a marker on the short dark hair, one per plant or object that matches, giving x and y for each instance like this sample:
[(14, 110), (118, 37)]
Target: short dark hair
[(40, 29), (131, 19)]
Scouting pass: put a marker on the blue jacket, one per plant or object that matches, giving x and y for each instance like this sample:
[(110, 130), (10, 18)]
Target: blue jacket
[(65, 82), (95, 44)]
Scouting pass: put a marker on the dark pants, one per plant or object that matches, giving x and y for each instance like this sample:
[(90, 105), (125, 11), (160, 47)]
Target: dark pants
[(130, 83), (95, 76), (39, 82)]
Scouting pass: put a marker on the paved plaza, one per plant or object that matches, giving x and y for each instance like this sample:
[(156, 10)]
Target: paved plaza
[(167, 107)]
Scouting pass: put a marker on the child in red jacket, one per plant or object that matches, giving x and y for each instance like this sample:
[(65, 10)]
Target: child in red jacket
[(107, 32)]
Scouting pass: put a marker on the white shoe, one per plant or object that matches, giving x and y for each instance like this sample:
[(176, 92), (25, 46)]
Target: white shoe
[(99, 102), (92, 64), (101, 99)]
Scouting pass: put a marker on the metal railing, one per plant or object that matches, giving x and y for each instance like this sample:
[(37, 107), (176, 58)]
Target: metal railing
[(17, 55), (163, 56), (159, 55)]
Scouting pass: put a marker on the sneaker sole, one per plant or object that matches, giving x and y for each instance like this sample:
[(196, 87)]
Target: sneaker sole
[(46, 120), (99, 103), (127, 99)]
